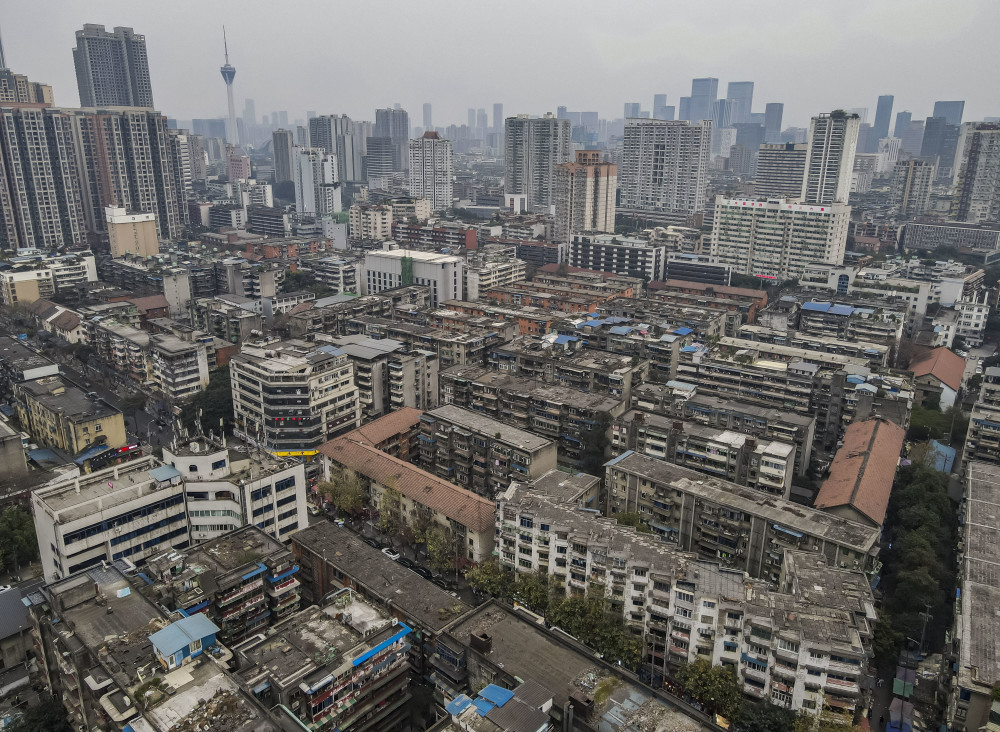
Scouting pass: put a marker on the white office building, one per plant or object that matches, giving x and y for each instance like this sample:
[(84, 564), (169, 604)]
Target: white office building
[(444, 274), (431, 170), (776, 238)]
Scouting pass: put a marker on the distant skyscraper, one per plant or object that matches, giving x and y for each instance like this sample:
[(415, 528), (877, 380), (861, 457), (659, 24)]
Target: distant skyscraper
[(741, 95), (282, 142), (431, 170), (883, 114), (340, 136), (902, 124), (632, 109), (951, 111), (585, 195), (228, 74), (977, 194), (112, 68), (773, 112), (482, 122), (395, 124), (660, 106), (249, 112), (317, 190), (3, 60), (684, 109), (704, 93), (534, 146), (379, 160), (472, 120), (913, 138), (428, 117), (665, 166), (934, 132), (498, 117), (833, 140)]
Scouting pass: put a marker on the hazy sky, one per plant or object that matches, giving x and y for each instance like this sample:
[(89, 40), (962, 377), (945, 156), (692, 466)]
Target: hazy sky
[(532, 55)]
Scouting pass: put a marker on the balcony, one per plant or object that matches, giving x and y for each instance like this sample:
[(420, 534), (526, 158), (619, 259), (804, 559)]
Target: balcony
[(839, 686), (754, 691)]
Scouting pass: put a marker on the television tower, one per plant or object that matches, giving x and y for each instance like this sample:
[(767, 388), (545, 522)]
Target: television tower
[(228, 72)]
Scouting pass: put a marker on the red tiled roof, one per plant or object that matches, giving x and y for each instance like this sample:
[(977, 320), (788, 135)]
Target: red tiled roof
[(153, 302), (301, 307), (467, 508), (863, 469), (941, 363), (66, 320), (395, 423)]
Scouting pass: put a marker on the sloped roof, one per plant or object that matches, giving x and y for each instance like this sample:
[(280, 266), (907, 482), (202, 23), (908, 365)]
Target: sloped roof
[(863, 469), (301, 307), (66, 320), (43, 308), (153, 302), (383, 428), (941, 363), (469, 509)]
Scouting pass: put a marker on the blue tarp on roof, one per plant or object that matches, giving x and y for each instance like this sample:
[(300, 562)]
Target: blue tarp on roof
[(91, 452), (483, 706), (43, 456), (332, 350), (942, 455), (497, 694), (591, 324), (566, 339), (779, 527), (683, 331), (689, 349), (855, 379), (866, 387), (841, 310), (164, 472), (621, 330), (458, 705), (819, 307)]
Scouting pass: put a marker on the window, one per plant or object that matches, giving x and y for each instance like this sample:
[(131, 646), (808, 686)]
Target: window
[(218, 464), (194, 646), (97, 428), (527, 522), (192, 468)]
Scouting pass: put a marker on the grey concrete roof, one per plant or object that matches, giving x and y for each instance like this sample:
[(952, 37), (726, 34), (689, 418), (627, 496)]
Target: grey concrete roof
[(483, 424)]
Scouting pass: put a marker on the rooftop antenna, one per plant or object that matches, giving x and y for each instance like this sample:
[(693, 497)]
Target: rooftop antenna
[(3, 63)]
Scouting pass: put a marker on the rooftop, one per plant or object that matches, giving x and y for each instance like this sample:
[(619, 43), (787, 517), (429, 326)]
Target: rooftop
[(416, 255), (941, 363), (384, 428), (478, 422), (379, 578), (863, 469), (800, 518), (461, 505), (564, 486)]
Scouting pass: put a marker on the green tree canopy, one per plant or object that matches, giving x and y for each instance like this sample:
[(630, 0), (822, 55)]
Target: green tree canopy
[(215, 403), (491, 579), (346, 491), (18, 544), (716, 687)]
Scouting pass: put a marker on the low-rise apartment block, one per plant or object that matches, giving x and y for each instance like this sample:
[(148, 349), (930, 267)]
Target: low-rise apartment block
[(477, 452), (26, 278), (739, 527), (60, 415), (618, 254)]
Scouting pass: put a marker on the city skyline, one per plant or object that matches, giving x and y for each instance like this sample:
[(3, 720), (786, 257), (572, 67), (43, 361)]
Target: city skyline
[(623, 64)]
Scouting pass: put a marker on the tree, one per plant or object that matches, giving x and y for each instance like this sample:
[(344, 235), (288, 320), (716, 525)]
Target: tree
[(886, 640), (489, 578), (532, 589), (215, 403), (588, 618), (633, 519), (18, 544), (443, 547), (563, 269), (48, 716), (390, 520), (765, 716), (715, 687), (346, 491), (131, 406)]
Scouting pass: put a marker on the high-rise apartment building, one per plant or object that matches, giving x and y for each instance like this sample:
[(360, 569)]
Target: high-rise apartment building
[(395, 124), (17, 88), (775, 239), (977, 191), (833, 140), (431, 171), (340, 136), (910, 190), (883, 113), (112, 68), (282, 142), (740, 94), (781, 168), (128, 158), (131, 233), (317, 190), (951, 111), (293, 396), (41, 197), (534, 146), (379, 161), (585, 195), (665, 166), (428, 117), (704, 93), (773, 111)]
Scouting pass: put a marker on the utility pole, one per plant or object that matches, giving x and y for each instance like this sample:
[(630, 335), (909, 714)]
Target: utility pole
[(923, 630)]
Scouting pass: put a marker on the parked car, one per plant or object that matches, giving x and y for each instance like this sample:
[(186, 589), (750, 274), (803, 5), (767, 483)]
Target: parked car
[(373, 543), (423, 572), (393, 555), (314, 511), (440, 583), (408, 563)]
